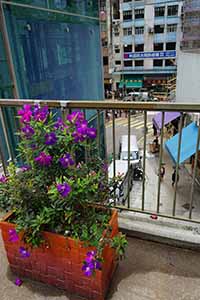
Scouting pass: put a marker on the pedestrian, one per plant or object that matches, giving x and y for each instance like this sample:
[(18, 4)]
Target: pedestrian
[(162, 172), (154, 130), (174, 177)]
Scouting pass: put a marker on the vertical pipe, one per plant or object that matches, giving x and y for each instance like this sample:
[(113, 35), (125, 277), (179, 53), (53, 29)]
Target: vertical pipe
[(144, 159), (3, 160), (177, 162), (129, 146), (160, 161), (194, 174), (113, 134), (98, 132)]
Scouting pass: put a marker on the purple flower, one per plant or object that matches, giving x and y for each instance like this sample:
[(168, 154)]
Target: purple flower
[(24, 253), (60, 124), (87, 270), (25, 113), (91, 133), (91, 263), (50, 138), (40, 114), (18, 281), (97, 265), (28, 131), (76, 117), (83, 125), (25, 168), (66, 160), (3, 179), (64, 189), (105, 167), (44, 159), (79, 135), (33, 146), (13, 236)]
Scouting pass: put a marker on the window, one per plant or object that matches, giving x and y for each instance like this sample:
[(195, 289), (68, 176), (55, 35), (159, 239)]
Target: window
[(158, 47), (159, 28), (171, 27), (170, 63), (127, 0), (105, 60), (139, 63), (117, 50), (127, 48), (170, 46), (128, 63), (104, 42), (172, 10), (139, 30), (127, 31), (118, 62), (157, 62), (159, 11), (127, 15), (139, 13), (139, 48)]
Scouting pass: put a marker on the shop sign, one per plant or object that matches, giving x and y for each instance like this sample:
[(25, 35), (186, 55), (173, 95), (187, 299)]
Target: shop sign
[(152, 54)]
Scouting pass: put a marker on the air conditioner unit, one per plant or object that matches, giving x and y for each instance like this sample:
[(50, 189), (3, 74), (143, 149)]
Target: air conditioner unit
[(151, 30)]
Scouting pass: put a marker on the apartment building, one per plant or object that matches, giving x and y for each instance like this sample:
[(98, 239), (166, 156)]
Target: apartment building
[(188, 82), (104, 46), (144, 42)]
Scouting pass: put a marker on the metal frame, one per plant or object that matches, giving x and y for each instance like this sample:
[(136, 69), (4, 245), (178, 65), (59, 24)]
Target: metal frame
[(127, 107)]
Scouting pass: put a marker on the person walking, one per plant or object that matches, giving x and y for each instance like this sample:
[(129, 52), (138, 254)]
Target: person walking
[(162, 172), (174, 177)]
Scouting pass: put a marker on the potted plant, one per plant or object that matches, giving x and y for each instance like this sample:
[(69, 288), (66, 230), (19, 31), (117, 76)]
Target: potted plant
[(58, 229)]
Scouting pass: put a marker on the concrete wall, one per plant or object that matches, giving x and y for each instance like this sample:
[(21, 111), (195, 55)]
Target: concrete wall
[(188, 78)]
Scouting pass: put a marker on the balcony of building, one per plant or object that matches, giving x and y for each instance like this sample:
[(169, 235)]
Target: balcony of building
[(151, 209)]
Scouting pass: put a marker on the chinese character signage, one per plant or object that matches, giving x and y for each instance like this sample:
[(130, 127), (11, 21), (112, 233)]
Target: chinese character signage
[(152, 54)]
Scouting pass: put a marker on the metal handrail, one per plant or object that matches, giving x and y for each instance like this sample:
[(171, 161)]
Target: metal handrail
[(100, 107), (145, 106)]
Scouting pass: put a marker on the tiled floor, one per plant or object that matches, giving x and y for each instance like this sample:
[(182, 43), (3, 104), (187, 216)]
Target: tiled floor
[(150, 271)]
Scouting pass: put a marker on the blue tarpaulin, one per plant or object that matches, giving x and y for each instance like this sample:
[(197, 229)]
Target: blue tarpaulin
[(188, 143)]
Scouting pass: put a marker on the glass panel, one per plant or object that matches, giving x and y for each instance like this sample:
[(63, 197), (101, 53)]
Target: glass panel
[(83, 7), (57, 56)]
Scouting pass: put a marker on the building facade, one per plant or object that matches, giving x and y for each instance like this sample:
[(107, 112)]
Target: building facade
[(145, 42), (188, 82), (49, 50), (104, 48)]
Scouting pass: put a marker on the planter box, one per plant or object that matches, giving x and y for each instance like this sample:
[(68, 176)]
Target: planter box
[(60, 263)]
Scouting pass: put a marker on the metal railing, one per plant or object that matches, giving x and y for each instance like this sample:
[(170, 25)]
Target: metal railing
[(128, 108)]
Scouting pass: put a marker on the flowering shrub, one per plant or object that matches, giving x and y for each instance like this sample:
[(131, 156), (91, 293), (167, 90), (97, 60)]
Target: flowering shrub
[(57, 186)]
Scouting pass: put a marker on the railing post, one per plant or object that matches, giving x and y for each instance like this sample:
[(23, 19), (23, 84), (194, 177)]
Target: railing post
[(160, 161), (177, 162), (194, 174), (129, 143), (144, 159)]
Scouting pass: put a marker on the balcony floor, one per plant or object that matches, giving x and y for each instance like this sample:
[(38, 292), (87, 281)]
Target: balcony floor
[(151, 271)]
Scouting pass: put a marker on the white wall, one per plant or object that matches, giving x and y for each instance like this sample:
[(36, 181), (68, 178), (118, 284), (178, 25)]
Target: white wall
[(188, 78)]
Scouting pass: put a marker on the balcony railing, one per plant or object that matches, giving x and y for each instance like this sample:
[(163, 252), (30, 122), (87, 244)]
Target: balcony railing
[(149, 202)]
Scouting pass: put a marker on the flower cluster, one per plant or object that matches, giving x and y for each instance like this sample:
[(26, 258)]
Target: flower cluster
[(59, 185), (91, 264)]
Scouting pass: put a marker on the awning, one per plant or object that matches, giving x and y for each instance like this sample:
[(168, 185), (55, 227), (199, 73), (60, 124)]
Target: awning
[(169, 116), (188, 143)]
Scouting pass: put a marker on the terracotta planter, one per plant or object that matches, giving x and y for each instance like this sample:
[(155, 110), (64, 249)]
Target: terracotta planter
[(60, 264)]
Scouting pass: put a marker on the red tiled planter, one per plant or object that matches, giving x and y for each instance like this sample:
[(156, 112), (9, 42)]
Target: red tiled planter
[(60, 264)]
